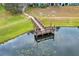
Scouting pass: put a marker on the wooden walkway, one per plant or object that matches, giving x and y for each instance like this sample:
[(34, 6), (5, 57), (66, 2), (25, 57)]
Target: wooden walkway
[(38, 23), (40, 29)]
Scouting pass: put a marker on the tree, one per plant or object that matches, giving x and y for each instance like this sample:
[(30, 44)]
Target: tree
[(74, 4), (15, 8), (40, 5)]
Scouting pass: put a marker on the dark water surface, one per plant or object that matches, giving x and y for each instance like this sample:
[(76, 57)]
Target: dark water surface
[(66, 42)]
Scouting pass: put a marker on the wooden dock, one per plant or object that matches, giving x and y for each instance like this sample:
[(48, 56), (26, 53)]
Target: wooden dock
[(40, 30)]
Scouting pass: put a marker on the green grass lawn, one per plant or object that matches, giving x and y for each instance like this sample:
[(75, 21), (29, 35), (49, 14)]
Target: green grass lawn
[(54, 21), (12, 26)]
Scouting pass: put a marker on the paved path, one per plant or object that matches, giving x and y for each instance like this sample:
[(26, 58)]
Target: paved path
[(37, 22)]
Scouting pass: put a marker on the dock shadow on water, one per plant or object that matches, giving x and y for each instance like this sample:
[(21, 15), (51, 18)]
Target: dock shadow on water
[(44, 37), (65, 42)]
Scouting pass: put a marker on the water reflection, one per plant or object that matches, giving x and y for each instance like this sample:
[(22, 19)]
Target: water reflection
[(66, 42)]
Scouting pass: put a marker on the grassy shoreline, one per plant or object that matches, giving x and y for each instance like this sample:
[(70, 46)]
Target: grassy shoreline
[(15, 29), (16, 36), (60, 21), (13, 26)]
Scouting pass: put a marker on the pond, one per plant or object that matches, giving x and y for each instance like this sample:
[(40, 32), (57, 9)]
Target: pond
[(66, 42)]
